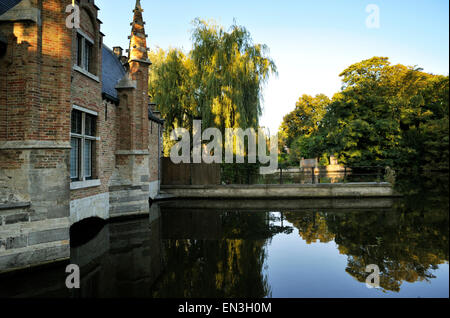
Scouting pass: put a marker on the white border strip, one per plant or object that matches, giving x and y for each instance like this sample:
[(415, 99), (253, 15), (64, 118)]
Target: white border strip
[(87, 37), (85, 184), (92, 112)]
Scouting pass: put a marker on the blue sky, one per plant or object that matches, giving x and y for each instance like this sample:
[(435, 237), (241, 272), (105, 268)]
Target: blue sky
[(310, 41)]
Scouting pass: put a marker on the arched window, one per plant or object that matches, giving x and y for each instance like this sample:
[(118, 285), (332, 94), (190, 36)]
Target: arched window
[(87, 43)]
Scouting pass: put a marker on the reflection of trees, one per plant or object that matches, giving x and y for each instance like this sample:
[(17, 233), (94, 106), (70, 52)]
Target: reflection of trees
[(211, 268), (312, 226), (231, 266), (406, 242), (252, 225), (405, 245)]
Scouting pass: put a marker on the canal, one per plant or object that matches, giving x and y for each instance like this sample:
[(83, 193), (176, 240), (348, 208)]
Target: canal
[(296, 248)]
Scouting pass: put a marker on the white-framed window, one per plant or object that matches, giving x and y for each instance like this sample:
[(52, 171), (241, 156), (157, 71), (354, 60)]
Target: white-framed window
[(82, 141), (85, 53)]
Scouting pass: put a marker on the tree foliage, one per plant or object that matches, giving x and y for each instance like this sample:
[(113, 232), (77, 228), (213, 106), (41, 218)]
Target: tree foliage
[(384, 115), (300, 124), (220, 80)]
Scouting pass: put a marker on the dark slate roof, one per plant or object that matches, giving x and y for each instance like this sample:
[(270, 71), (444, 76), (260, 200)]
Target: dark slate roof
[(5, 5), (112, 72), (152, 117)]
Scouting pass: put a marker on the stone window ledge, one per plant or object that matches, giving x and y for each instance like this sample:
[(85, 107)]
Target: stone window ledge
[(14, 205), (132, 152), (84, 184), (86, 73), (34, 144)]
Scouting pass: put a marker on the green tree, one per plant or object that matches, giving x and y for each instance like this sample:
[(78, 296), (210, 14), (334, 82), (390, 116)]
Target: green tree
[(390, 115), (230, 74), (220, 80), (170, 86), (300, 124)]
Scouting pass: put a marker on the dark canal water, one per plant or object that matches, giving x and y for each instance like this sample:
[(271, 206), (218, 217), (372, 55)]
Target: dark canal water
[(308, 248)]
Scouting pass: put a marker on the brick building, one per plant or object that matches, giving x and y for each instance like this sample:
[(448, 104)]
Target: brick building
[(78, 135)]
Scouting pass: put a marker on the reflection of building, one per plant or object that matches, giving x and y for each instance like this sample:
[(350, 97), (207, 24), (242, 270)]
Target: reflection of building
[(123, 259), (77, 135)]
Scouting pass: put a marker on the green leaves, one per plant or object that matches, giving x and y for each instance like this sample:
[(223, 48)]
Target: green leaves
[(231, 71), (384, 114), (301, 123), (220, 80)]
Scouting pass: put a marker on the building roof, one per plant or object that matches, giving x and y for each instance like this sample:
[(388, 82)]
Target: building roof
[(152, 117), (5, 5), (112, 72)]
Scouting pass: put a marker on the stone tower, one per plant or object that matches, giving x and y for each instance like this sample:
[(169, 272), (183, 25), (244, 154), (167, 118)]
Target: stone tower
[(129, 188)]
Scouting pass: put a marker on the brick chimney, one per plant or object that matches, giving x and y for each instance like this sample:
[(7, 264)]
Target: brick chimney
[(124, 59)]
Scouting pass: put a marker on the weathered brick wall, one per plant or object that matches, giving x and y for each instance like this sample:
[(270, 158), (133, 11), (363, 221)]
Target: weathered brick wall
[(11, 159), (87, 92), (34, 137), (153, 138), (139, 111), (19, 77), (87, 19), (35, 95), (5, 30), (124, 132), (55, 73), (14, 180), (108, 142), (36, 76)]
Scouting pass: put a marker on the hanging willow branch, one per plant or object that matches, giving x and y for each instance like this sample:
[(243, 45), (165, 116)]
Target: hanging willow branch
[(220, 80)]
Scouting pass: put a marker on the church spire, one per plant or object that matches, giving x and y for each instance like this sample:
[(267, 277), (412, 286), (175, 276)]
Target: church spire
[(138, 42), (138, 6)]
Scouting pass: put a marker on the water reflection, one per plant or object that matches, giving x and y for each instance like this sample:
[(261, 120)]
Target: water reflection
[(123, 260), (228, 249), (406, 245), (225, 254), (215, 254)]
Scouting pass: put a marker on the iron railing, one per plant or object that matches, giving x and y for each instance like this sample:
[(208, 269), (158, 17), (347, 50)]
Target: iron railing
[(311, 175)]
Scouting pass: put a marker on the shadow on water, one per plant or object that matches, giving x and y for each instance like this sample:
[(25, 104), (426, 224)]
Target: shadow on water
[(225, 248), (84, 231)]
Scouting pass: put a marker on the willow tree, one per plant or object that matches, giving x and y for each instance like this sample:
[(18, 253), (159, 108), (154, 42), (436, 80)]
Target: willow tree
[(220, 80), (230, 73), (171, 83)]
